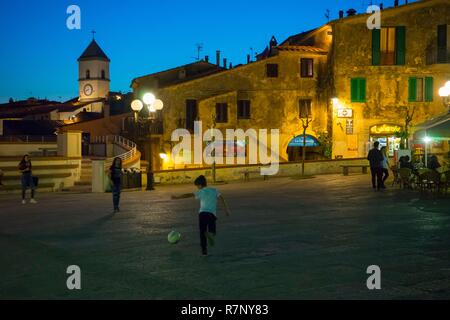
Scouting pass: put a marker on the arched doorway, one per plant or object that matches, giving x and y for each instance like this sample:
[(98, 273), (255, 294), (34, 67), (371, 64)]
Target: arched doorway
[(296, 145)]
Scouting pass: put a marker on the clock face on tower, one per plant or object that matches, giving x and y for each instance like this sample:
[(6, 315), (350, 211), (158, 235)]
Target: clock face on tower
[(88, 89)]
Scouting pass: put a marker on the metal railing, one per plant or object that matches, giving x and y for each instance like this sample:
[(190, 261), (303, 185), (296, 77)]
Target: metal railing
[(437, 56), (120, 141)]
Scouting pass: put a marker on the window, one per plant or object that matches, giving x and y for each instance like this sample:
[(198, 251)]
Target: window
[(443, 33), (88, 74), (103, 74), (358, 89), (307, 68), (420, 89), (272, 70), (191, 114), (221, 113), (304, 108), (389, 46), (243, 109)]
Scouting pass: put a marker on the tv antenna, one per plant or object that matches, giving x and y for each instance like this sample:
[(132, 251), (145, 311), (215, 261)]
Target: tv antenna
[(327, 15), (199, 47)]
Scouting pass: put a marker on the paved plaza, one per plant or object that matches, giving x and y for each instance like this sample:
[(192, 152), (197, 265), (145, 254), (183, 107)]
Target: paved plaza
[(287, 238)]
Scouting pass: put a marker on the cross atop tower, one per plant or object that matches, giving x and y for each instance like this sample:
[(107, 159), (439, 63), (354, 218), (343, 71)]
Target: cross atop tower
[(93, 34)]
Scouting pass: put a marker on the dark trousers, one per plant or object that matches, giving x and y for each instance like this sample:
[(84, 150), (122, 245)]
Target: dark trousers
[(27, 182), (385, 175), (116, 193), (377, 177), (207, 223)]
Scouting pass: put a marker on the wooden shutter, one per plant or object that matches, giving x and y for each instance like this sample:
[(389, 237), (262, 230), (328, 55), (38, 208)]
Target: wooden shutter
[(400, 36), (354, 89), (412, 89), (362, 90), (376, 44), (428, 89)]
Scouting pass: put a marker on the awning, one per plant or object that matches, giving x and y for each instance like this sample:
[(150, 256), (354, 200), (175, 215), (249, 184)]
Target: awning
[(298, 141), (437, 128)]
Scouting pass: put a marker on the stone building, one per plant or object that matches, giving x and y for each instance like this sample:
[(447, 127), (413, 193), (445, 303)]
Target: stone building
[(381, 75), (357, 84), (266, 94)]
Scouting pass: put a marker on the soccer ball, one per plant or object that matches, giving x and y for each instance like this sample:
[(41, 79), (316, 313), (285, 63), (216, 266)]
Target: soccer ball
[(174, 237)]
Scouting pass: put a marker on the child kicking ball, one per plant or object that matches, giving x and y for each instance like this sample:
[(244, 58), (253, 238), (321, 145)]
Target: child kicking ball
[(208, 211)]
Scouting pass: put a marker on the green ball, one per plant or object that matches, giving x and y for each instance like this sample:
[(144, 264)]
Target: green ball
[(174, 237)]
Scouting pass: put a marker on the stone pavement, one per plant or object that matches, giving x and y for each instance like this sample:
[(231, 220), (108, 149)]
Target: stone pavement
[(287, 238)]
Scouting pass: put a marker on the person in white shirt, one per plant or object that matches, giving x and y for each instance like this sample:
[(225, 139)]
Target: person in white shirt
[(208, 211), (385, 166)]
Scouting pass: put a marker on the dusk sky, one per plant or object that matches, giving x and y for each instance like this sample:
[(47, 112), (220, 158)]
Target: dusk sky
[(38, 55)]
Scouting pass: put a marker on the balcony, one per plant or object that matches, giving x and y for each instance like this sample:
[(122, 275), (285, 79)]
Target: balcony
[(438, 56)]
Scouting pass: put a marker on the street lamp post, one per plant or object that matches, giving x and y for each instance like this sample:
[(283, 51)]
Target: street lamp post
[(153, 105)]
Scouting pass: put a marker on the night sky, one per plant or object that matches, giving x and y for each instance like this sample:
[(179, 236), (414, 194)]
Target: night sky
[(38, 53)]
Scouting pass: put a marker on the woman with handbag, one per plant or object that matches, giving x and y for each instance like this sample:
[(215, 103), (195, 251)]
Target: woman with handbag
[(25, 167)]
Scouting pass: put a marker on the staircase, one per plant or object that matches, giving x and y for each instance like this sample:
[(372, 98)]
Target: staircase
[(84, 185)]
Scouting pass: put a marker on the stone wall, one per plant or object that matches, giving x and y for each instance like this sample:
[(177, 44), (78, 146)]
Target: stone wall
[(235, 173)]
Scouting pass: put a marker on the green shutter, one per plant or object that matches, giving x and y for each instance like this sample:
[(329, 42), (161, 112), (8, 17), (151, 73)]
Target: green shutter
[(428, 89), (400, 36), (354, 90), (412, 90), (376, 47), (362, 90)]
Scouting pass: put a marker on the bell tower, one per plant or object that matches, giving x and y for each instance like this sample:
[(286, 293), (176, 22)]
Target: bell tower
[(93, 74)]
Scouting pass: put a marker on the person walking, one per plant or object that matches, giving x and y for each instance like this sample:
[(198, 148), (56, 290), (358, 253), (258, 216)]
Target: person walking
[(207, 214), (115, 174), (376, 158), (25, 168), (385, 166)]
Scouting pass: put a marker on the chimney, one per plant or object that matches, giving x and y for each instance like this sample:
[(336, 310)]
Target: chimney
[(395, 3), (381, 6), (341, 14), (248, 59), (225, 63), (406, 2), (207, 58), (218, 58), (231, 65)]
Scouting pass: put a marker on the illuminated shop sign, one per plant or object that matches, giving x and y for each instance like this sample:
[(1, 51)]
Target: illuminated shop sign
[(386, 129)]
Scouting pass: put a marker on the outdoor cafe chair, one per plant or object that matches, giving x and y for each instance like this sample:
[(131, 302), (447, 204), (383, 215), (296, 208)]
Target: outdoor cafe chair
[(406, 177), (429, 180)]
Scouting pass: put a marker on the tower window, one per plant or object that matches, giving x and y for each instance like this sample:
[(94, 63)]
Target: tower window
[(103, 74), (88, 74)]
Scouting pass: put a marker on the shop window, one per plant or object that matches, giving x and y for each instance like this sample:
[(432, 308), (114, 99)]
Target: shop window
[(358, 89), (243, 109), (307, 68), (420, 89), (221, 112), (272, 70), (389, 46)]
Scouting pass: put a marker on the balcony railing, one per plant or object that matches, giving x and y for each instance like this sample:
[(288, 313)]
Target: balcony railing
[(438, 55), (28, 139)]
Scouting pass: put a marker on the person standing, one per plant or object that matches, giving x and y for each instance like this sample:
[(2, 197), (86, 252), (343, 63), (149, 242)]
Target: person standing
[(385, 166), (376, 162), (115, 174), (25, 168), (207, 214)]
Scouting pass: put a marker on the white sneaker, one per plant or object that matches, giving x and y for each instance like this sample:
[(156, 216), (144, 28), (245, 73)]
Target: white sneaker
[(24, 202), (33, 201)]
